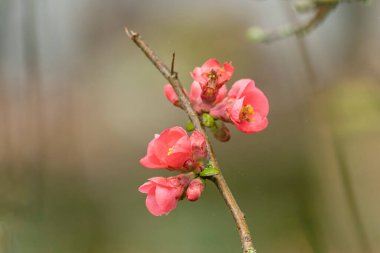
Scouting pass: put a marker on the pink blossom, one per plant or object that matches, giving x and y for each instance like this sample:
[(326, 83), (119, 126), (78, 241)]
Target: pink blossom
[(196, 99), (163, 194), (195, 189), (211, 76), (171, 95), (198, 145), (171, 149), (220, 111), (246, 106)]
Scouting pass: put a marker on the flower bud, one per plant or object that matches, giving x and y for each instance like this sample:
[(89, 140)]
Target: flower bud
[(221, 132), (189, 126), (207, 120), (189, 165), (195, 189), (171, 95), (198, 145), (256, 34)]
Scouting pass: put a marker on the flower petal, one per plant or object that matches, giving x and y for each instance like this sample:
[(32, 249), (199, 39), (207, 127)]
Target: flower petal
[(258, 100), (239, 87), (166, 198), (146, 187), (151, 204), (235, 110)]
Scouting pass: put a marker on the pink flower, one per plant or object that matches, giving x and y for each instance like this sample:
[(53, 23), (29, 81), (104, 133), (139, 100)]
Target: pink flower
[(211, 76), (171, 95), (196, 99), (171, 149), (163, 194), (246, 106), (198, 145), (195, 189)]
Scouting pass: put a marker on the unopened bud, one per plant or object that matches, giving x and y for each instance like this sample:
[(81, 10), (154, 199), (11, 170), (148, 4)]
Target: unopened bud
[(189, 165), (221, 132), (304, 5), (171, 95), (195, 189), (207, 120), (198, 145), (189, 126), (256, 34)]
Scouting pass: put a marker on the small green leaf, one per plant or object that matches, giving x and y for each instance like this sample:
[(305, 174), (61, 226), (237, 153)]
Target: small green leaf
[(189, 126), (207, 120), (209, 171), (256, 34)]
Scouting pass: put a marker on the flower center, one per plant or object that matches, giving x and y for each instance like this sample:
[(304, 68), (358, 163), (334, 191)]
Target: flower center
[(247, 113), (170, 151), (212, 75)]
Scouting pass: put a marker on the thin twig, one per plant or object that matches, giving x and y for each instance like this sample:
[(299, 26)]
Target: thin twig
[(219, 180), (282, 32), (321, 8), (173, 61)]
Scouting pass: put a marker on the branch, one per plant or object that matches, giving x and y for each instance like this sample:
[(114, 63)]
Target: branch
[(258, 35), (321, 8), (219, 180)]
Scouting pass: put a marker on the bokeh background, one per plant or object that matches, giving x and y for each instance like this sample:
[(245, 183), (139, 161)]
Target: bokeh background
[(79, 103)]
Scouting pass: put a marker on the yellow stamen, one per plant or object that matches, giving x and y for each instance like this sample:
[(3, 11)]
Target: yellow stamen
[(170, 151), (247, 113)]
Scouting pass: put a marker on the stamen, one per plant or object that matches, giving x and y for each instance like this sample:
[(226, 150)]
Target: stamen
[(170, 151), (247, 113), (212, 75)]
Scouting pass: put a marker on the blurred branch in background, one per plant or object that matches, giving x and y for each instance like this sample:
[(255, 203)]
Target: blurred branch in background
[(340, 131), (349, 190), (321, 9)]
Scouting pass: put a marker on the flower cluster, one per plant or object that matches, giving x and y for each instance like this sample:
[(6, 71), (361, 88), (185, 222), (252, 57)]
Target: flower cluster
[(174, 150), (244, 105)]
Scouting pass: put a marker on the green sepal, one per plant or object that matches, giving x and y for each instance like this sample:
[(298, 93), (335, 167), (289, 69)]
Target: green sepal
[(207, 120), (189, 126), (209, 171)]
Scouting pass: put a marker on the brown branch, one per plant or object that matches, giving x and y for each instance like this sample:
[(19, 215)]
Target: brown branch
[(219, 180)]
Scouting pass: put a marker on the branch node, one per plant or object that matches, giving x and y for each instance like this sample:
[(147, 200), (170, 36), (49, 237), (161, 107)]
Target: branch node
[(131, 34)]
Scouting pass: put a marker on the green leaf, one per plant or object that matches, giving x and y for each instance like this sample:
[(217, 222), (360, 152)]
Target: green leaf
[(209, 171), (207, 120), (189, 126)]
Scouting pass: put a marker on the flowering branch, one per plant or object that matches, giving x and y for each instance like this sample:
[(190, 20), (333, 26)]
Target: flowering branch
[(218, 179)]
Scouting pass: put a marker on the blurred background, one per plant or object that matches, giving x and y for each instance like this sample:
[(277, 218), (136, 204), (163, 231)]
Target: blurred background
[(79, 103)]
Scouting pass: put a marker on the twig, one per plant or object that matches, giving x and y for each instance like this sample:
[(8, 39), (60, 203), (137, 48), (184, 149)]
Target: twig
[(321, 8), (172, 67), (219, 180), (258, 35)]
